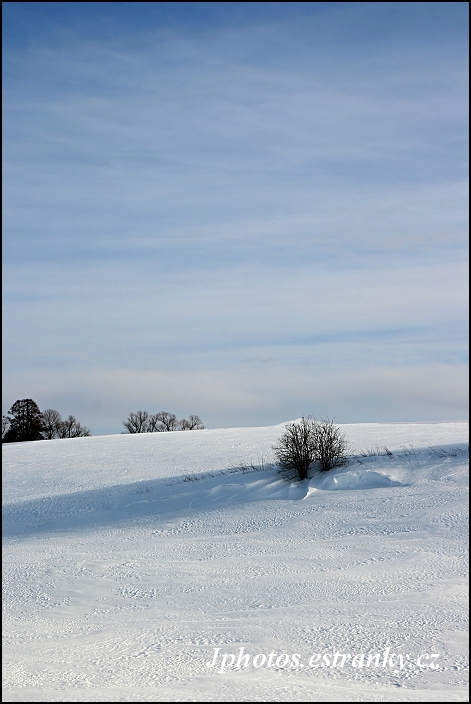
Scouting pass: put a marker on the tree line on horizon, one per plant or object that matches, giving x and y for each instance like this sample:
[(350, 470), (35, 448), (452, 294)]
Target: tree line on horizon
[(163, 422), (25, 422)]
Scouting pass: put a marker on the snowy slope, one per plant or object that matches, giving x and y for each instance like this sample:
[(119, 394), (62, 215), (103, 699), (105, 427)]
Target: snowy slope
[(129, 559)]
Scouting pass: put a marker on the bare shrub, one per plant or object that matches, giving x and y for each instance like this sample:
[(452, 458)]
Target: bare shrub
[(296, 449), (331, 445), (310, 442)]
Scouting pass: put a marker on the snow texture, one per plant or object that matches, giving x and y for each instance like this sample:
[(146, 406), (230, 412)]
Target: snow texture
[(129, 559)]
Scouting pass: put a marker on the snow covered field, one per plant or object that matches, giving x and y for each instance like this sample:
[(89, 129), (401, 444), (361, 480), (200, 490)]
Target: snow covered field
[(129, 560)]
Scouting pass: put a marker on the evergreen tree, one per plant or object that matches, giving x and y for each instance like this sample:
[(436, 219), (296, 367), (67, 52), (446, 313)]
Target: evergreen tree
[(26, 422)]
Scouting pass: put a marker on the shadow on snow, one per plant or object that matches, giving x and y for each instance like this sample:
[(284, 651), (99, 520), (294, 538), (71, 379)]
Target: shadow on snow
[(170, 498)]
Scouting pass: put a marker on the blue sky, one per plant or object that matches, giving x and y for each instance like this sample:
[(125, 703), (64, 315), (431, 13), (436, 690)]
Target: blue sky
[(248, 211)]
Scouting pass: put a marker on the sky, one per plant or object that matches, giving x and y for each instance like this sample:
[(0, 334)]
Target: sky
[(246, 211)]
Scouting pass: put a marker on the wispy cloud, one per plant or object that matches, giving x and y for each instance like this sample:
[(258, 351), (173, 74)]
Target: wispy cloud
[(180, 193)]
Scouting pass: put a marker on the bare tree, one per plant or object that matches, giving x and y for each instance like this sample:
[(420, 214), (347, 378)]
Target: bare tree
[(154, 425), (71, 428), (51, 423), (193, 423), (168, 421), (310, 442), (137, 422), (80, 431), (5, 425)]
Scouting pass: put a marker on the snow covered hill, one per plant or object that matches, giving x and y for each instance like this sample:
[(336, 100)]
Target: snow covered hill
[(182, 567)]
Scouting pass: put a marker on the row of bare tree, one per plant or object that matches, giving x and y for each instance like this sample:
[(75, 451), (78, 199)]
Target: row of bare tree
[(25, 422), (163, 422)]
